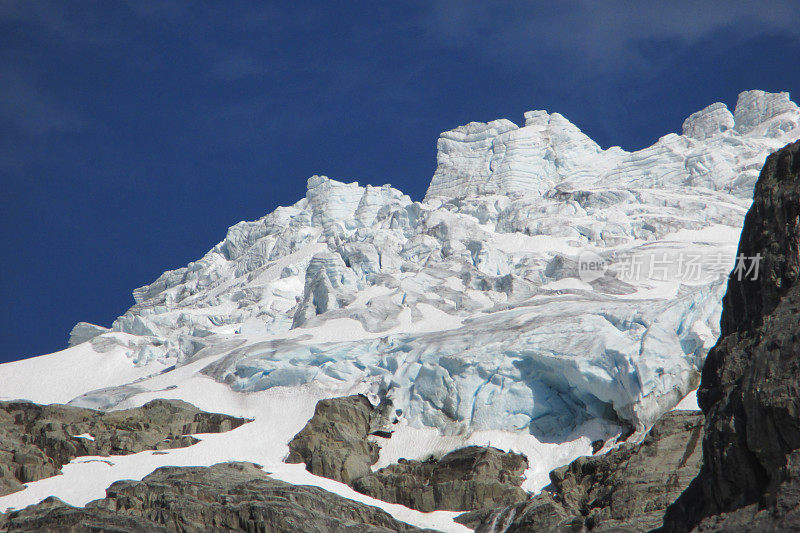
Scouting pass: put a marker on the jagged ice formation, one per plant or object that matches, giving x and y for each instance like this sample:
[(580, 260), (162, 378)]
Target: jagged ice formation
[(468, 309)]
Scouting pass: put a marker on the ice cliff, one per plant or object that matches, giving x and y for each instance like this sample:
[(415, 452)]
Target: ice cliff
[(469, 310)]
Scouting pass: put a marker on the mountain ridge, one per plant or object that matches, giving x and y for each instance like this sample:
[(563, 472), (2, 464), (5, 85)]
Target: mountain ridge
[(343, 245), (455, 308)]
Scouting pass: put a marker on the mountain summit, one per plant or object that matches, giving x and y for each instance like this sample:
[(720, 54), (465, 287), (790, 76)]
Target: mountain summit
[(547, 293)]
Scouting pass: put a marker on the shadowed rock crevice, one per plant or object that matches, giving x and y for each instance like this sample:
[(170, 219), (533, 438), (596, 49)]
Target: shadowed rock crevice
[(37, 440)]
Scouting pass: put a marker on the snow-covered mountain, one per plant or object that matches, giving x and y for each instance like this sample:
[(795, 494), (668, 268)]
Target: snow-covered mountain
[(546, 290)]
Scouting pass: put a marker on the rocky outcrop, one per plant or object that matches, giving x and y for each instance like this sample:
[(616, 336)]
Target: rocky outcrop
[(37, 440), (334, 442), (337, 443), (750, 388), (627, 489), (223, 497), (469, 478), (54, 515)]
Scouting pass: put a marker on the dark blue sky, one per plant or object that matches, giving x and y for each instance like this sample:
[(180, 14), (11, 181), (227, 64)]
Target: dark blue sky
[(132, 134)]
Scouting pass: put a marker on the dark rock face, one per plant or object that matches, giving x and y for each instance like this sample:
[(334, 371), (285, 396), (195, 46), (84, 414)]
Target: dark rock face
[(750, 388), (224, 497), (469, 478), (771, 229), (334, 443), (37, 440), (627, 489)]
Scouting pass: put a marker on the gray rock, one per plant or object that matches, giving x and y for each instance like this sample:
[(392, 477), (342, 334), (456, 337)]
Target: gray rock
[(627, 489), (334, 442), (469, 478), (37, 440), (750, 387), (224, 497), (54, 515)]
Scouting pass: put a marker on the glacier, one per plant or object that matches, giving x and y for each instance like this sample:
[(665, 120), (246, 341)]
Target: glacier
[(468, 309)]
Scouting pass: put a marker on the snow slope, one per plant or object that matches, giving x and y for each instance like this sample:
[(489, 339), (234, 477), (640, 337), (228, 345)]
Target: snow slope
[(472, 311), (278, 414)]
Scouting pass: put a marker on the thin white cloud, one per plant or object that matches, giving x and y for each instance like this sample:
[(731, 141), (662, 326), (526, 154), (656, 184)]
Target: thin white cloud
[(237, 66), (30, 109), (66, 23), (600, 36)]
